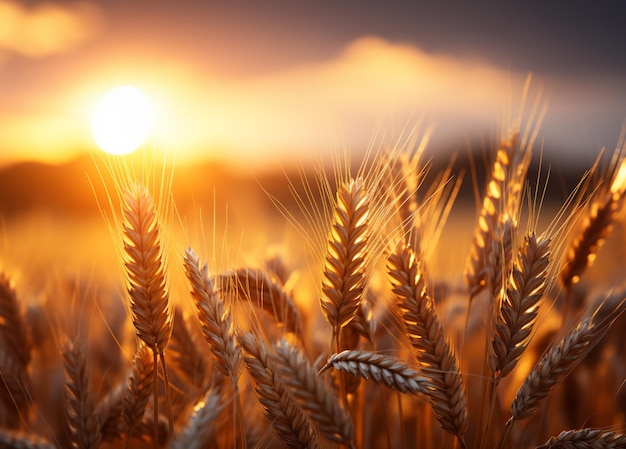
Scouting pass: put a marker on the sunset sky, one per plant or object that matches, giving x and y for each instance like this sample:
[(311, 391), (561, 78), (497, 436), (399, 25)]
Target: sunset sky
[(260, 81)]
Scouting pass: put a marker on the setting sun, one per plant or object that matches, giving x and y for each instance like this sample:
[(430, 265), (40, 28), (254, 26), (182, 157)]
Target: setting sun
[(122, 120)]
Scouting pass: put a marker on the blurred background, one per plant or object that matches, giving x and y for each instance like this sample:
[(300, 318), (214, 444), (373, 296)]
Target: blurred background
[(242, 91), (265, 81)]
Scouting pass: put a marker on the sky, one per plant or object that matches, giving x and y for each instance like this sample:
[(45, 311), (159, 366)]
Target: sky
[(260, 82)]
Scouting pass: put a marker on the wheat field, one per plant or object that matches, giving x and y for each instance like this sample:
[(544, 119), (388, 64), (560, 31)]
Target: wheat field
[(369, 327)]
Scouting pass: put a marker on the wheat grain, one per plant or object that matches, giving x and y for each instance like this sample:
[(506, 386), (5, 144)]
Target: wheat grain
[(214, 318), (288, 420), (321, 403)]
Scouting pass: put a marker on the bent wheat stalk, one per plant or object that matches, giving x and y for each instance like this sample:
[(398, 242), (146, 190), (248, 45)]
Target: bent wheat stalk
[(551, 368), (380, 368), (437, 360), (261, 290), (311, 392), (287, 418)]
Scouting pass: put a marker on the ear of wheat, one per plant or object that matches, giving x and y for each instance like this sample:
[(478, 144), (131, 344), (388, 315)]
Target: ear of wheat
[(597, 226), (345, 269), (519, 307), (379, 368), (145, 271), (493, 203), (437, 360), (83, 426), (321, 403), (553, 366), (287, 418), (215, 319), (140, 386)]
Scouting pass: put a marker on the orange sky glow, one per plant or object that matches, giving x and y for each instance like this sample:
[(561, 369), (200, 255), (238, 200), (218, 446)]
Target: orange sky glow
[(208, 107)]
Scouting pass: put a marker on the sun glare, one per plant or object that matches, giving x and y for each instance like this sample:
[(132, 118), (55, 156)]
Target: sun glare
[(122, 120)]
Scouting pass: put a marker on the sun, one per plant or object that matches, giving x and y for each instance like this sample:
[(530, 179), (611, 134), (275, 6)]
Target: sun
[(122, 120)]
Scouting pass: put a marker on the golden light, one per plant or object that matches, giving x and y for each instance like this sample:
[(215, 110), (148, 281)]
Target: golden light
[(122, 120)]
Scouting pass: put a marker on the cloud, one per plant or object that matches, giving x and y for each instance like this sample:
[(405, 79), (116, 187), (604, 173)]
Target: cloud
[(48, 28), (297, 108)]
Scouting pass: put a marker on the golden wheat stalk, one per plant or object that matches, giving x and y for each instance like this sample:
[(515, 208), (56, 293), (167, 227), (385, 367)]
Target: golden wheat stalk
[(310, 391), (586, 439), (266, 293), (145, 270), (82, 421), (140, 386), (520, 305), (494, 203), (379, 368), (147, 286), (552, 367), (215, 318), (346, 258), (287, 418), (583, 249), (437, 359), (500, 258)]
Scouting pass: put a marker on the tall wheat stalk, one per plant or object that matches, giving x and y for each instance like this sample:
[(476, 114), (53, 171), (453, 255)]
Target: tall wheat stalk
[(147, 287), (346, 258)]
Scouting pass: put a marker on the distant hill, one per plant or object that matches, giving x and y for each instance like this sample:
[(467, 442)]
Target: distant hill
[(73, 188)]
